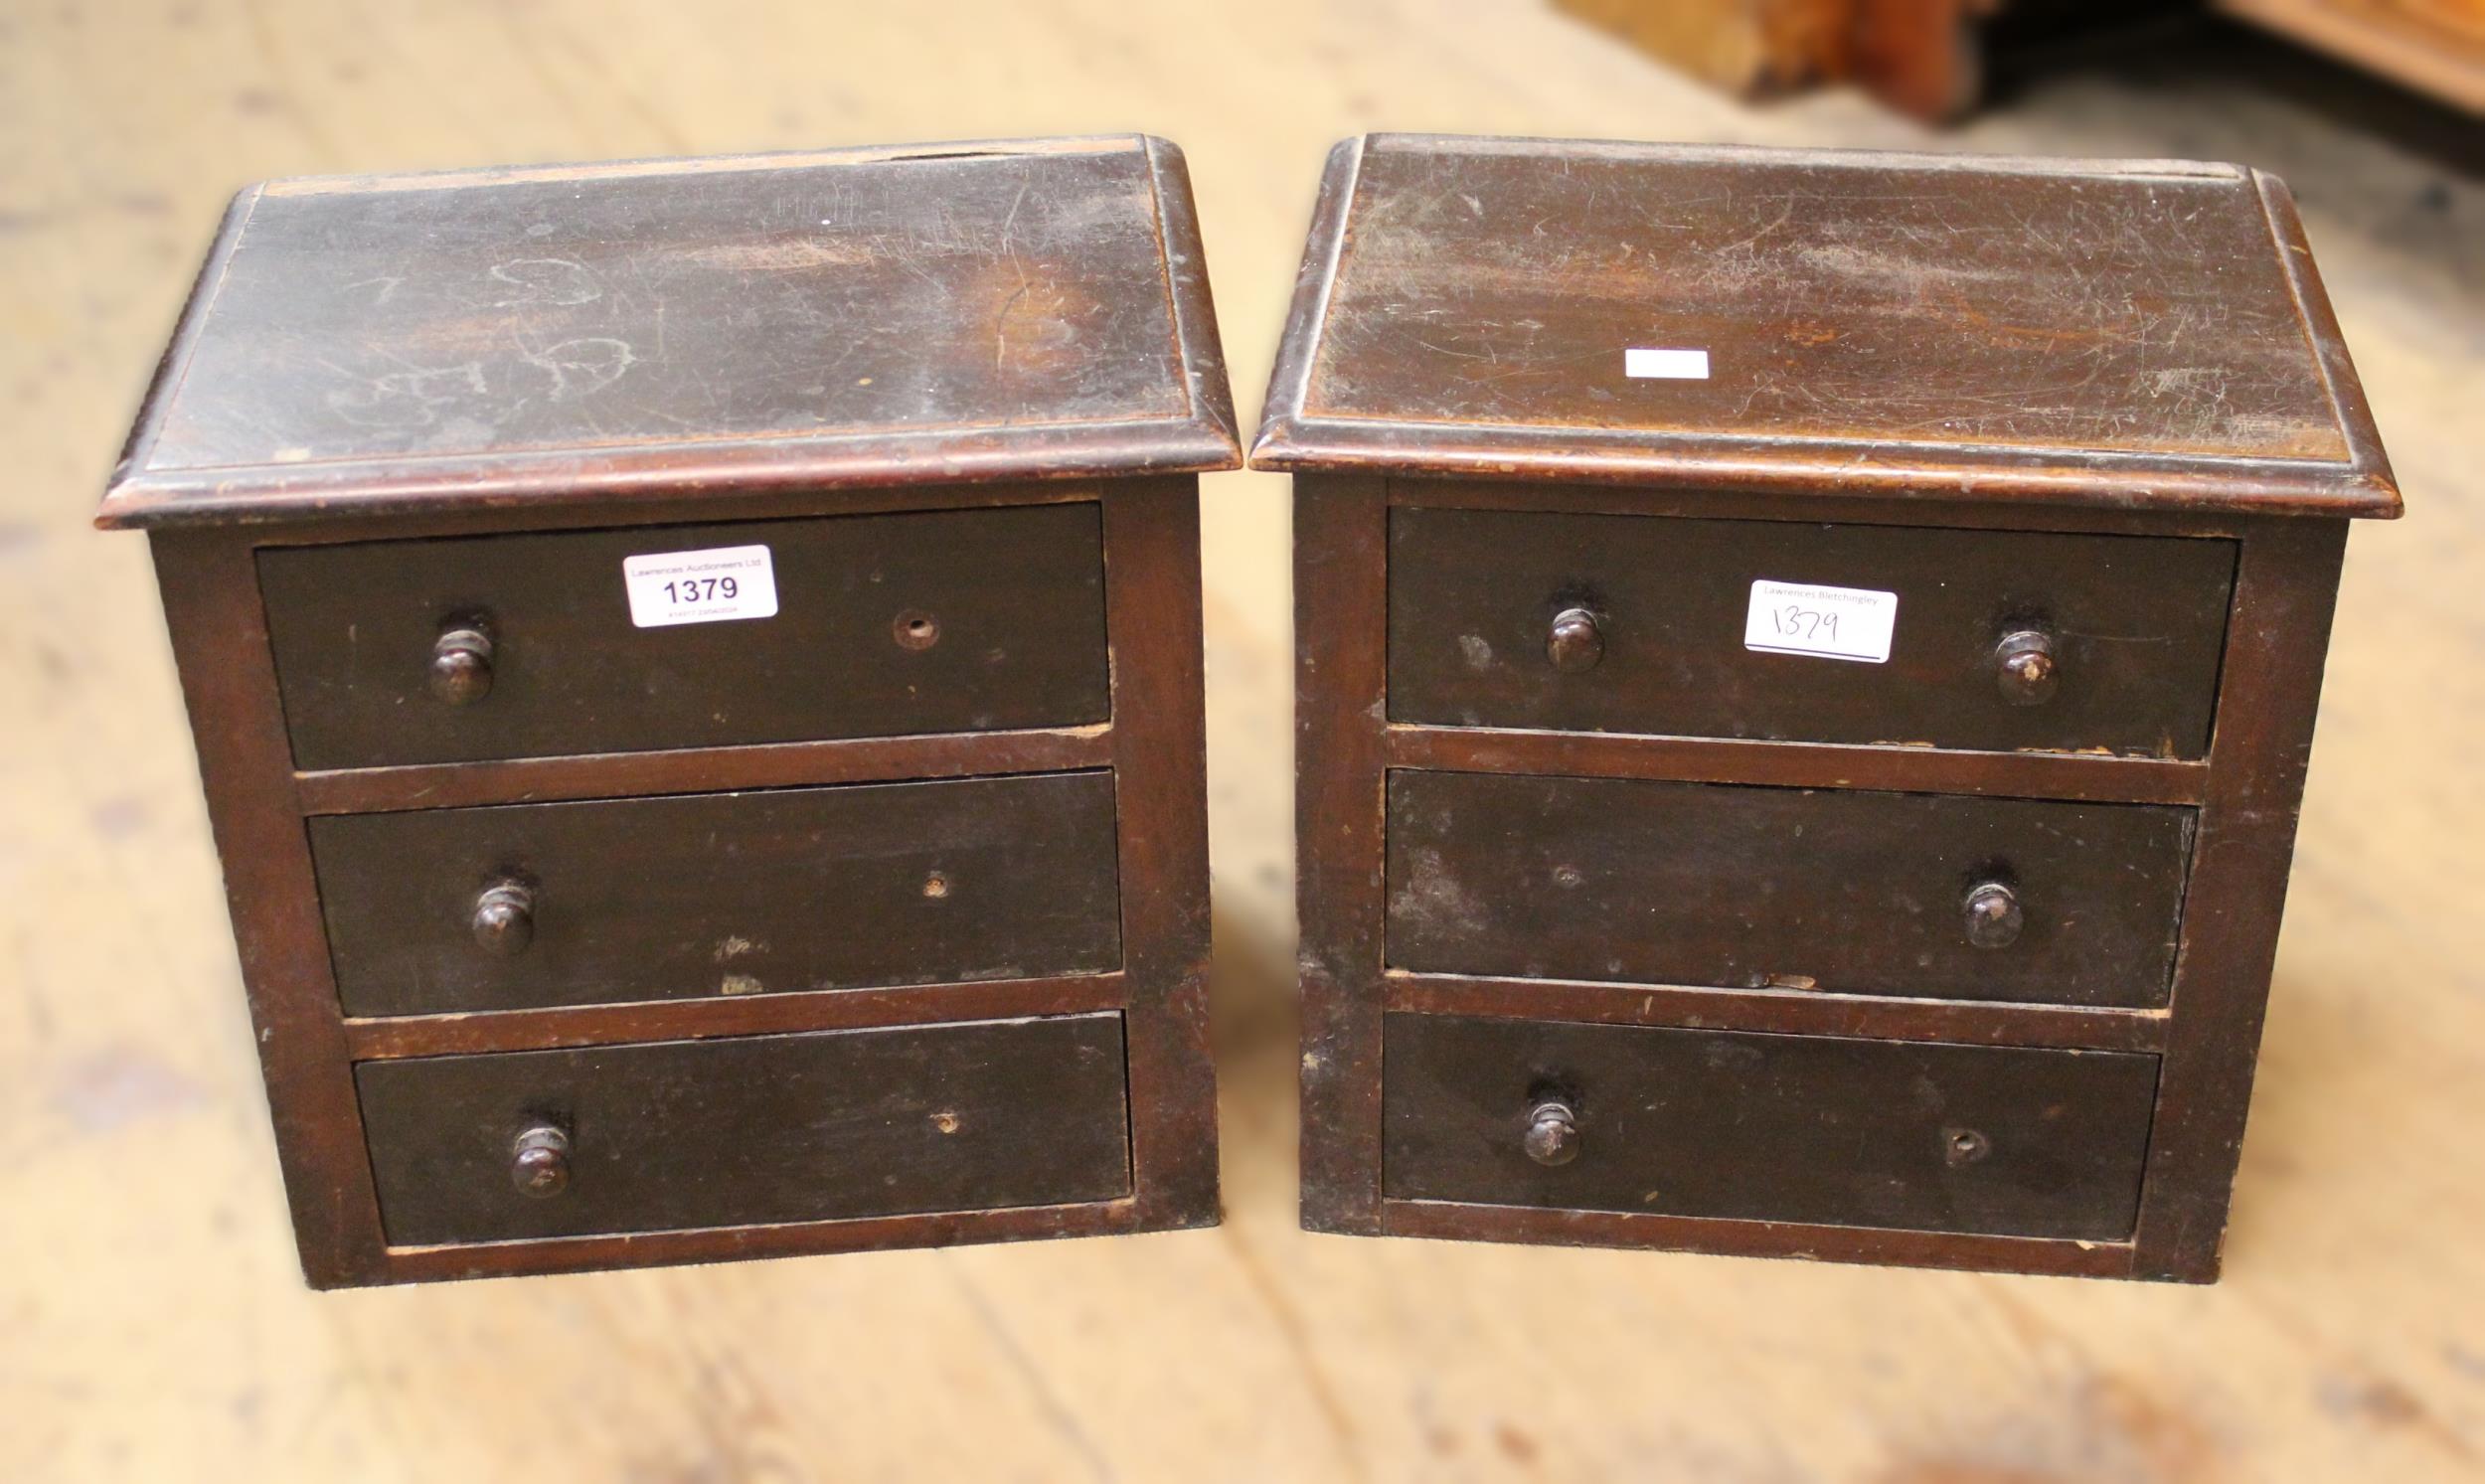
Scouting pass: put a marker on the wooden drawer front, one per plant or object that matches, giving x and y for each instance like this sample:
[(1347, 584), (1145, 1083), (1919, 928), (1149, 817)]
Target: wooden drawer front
[(2138, 625), (679, 898), (885, 625), (742, 1132), (1735, 886), (2001, 1140)]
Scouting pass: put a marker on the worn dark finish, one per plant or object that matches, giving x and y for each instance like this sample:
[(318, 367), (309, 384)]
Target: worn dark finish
[(2137, 624), (1845, 890), (732, 886), (1340, 611), (1018, 597), (708, 895), (1794, 1011), (218, 633), (2003, 1140), (453, 1033), (1153, 597), (2120, 333), (768, 766), (2285, 593), (2089, 424), (614, 332), (2147, 781), (748, 1131)]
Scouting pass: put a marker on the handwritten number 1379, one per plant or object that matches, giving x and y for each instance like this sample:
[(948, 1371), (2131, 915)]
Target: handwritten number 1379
[(1806, 623)]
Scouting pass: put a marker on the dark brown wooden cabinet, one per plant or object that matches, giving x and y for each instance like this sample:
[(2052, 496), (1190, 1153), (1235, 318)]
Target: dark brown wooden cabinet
[(1808, 665), (695, 670)]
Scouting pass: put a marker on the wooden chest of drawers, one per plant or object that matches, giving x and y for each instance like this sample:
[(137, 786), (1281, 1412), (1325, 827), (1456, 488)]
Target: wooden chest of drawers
[(696, 669), (1807, 663)]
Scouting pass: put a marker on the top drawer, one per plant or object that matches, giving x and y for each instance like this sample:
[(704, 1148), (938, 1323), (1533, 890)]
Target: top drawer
[(1653, 613), (885, 625)]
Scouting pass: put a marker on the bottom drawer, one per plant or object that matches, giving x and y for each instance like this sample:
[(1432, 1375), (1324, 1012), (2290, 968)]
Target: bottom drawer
[(2000, 1140), (748, 1131)]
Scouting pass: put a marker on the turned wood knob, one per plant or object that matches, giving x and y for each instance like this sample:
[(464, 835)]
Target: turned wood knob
[(462, 666), (2025, 668), (1575, 643), (539, 1161), (504, 919), (1993, 915), (1552, 1134)]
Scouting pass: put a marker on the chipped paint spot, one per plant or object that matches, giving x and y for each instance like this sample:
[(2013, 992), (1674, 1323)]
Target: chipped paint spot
[(739, 984)]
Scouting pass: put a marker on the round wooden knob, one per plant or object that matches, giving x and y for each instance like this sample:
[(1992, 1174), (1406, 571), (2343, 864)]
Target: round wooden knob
[(539, 1162), (1575, 643), (462, 666), (2025, 667), (1552, 1134), (504, 919), (1992, 916)]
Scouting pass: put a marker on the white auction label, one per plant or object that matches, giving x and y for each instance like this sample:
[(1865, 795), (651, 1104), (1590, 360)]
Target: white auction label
[(1657, 363), (1838, 623), (709, 587)]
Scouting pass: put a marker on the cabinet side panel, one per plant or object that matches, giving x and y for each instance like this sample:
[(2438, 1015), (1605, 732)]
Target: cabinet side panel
[(227, 677), (2286, 589), (1341, 614), (1152, 617)]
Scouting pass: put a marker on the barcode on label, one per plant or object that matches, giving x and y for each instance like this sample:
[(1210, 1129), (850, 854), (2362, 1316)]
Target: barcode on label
[(1836, 624), (709, 587)]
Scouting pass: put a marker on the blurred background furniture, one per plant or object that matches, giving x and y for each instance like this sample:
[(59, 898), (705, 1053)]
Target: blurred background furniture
[(2435, 47), (1929, 58)]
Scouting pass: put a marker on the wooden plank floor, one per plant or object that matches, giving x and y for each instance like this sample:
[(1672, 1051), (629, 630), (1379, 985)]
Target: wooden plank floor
[(152, 1321)]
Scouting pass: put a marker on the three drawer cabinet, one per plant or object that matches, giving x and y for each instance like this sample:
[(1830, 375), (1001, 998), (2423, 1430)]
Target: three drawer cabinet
[(1806, 669), (695, 671)]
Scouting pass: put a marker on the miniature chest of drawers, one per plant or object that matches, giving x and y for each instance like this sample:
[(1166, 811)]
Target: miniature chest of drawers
[(1807, 663), (695, 671)]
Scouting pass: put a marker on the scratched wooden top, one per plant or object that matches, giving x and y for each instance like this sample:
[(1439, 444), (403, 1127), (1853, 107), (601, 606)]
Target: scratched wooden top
[(868, 317), (2124, 333)]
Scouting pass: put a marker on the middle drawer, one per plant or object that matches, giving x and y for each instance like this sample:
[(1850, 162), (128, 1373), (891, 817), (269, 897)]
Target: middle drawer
[(518, 906), (1738, 887)]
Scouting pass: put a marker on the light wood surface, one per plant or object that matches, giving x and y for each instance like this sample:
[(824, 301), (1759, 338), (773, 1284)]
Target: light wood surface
[(152, 1324), (2435, 44)]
